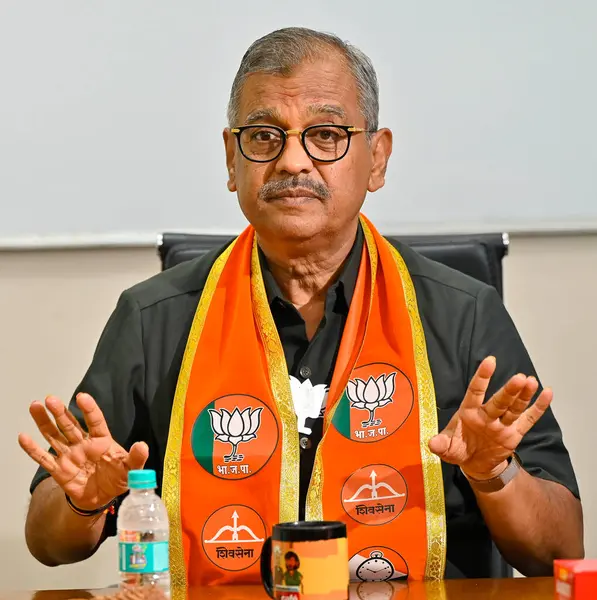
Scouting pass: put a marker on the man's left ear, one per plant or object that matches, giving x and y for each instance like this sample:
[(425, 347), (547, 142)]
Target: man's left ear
[(230, 146), (381, 149)]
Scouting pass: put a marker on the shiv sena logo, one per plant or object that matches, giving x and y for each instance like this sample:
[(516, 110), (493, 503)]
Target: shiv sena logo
[(375, 494), (233, 537)]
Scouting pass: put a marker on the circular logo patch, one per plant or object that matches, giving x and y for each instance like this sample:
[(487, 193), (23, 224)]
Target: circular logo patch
[(376, 402), (377, 563), (374, 495), (234, 436), (233, 536)]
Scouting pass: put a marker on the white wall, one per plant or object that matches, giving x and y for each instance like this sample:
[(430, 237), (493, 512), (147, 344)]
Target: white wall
[(117, 109), (53, 306)]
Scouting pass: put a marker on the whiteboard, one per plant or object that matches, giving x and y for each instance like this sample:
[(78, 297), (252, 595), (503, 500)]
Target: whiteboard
[(111, 113)]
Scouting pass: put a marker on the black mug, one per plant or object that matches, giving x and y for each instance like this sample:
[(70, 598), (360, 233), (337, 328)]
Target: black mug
[(306, 559)]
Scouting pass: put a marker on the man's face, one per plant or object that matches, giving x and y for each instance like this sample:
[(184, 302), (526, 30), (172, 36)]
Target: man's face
[(291, 563), (321, 198)]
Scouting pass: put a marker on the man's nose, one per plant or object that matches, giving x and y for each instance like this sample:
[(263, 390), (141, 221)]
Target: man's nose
[(294, 158)]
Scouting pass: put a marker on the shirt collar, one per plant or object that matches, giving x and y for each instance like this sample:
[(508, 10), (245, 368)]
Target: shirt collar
[(341, 290)]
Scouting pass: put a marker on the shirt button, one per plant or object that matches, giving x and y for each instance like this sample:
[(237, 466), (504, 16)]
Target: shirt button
[(305, 443), (305, 372)]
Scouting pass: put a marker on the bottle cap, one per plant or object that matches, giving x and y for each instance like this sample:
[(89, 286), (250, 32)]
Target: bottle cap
[(142, 480)]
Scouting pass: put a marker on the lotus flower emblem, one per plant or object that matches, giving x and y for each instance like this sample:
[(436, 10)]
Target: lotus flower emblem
[(370, 395), (235, 428), (308, 400)]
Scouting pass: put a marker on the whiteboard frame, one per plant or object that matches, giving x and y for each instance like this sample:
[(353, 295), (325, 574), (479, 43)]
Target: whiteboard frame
[(151, 239)]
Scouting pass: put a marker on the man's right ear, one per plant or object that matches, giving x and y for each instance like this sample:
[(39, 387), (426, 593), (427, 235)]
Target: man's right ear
[(230, 146)]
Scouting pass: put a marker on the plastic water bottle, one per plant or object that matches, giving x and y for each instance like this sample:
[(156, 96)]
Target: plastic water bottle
[(143, 535)]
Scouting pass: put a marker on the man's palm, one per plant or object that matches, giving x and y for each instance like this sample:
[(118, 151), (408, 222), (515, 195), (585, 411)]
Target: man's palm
[(86, 476), (481, 436), (90, 467)]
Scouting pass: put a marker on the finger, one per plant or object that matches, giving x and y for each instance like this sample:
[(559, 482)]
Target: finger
[(40, 456), (475, 394), (521, 403), (48, 428), (440, 444), (532, 414), (138, 455), (75, 422), (502, 400), (65, 420), (94, 417)]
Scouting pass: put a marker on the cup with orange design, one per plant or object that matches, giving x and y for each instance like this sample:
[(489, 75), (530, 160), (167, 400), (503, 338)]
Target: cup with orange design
[(305, 560)]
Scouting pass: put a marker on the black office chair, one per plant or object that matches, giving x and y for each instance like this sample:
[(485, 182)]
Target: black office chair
[(479, 256)]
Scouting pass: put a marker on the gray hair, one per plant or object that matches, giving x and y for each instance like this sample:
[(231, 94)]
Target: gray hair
[(281, 51)]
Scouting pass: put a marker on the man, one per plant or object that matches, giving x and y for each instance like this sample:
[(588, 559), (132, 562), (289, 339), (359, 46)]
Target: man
[(292, 576), (191, 375)]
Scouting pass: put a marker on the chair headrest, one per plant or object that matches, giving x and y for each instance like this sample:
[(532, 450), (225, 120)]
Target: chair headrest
[(479, 256)]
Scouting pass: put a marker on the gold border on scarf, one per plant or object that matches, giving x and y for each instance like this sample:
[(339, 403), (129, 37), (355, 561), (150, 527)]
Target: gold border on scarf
[(172, 468), (314, 505), (280, 383), (432, 471)]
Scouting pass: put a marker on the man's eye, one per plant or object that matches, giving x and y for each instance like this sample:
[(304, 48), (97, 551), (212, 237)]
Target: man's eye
[(263, 136), (326, 137), (326, 134)]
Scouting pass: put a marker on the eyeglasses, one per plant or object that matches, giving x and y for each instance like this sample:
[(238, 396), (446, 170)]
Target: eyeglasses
[(323, 143)]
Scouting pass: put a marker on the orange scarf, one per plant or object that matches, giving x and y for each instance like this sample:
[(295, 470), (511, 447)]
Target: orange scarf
[(232, 462)]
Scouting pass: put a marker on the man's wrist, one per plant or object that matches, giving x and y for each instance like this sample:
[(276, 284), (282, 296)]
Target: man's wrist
[(487, 475), (498, 481), (81, 512)]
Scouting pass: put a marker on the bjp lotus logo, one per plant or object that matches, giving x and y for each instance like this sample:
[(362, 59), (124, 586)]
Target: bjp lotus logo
[(235, 428), (370, 395)]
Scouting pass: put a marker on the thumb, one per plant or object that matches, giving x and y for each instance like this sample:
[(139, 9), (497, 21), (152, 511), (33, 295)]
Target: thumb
[(439, 444), (138, 455)]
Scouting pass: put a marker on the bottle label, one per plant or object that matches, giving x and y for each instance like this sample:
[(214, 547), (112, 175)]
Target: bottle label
[(143, 557)]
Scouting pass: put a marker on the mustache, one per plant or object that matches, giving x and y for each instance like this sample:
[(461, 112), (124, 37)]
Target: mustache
[(272, 189)]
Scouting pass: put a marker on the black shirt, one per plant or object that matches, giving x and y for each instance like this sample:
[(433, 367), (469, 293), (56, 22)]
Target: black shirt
[(135, 368), (315, 359)]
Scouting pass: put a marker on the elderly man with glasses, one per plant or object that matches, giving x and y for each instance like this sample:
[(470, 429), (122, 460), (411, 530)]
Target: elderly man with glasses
[(310, 370)]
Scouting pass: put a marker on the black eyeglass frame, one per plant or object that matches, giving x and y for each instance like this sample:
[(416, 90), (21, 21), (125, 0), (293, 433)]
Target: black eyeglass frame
[(349, 129)]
